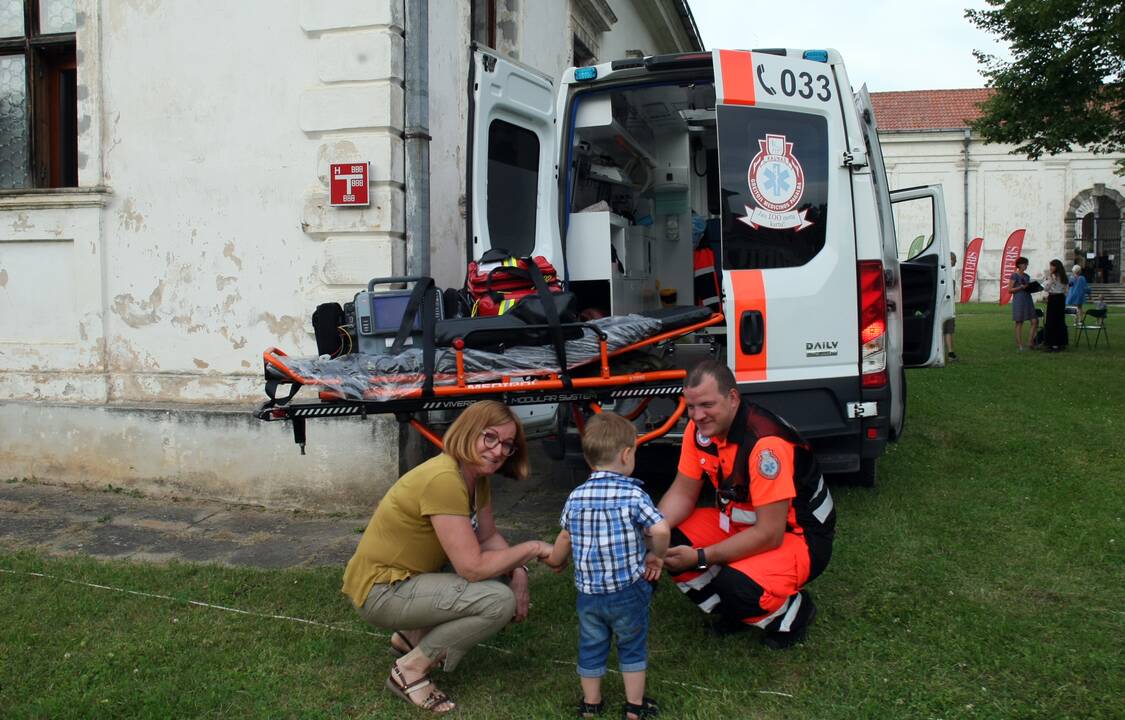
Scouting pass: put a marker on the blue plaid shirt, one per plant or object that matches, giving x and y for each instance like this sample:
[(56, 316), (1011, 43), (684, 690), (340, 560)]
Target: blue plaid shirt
[(606, 516)]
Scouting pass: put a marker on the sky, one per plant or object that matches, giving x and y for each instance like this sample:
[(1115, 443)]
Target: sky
[(887, 44)]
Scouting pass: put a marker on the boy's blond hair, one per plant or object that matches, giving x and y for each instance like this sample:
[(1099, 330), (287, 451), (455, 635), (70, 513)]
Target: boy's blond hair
[(606, 435)]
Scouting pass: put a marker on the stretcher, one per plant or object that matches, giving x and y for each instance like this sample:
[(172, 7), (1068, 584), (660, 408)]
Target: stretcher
[(457, 370)]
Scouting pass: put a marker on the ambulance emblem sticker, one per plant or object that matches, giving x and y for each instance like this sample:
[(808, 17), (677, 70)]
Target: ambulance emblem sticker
[(777, 184), (768, 465), (702, 440)]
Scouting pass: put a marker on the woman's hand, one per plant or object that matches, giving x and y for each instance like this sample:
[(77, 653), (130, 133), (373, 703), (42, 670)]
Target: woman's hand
[(522, 592)]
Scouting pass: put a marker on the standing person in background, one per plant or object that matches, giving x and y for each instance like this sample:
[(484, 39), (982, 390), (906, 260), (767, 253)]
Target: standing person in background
[(1023, 309), (1079, 291), (1103, 265), (950, 323), (1054, 324)]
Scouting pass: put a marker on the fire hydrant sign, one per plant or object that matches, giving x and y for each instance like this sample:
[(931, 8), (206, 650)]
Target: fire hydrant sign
[(347, 184)]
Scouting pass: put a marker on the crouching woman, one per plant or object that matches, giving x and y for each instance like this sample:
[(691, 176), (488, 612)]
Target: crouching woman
[(439, 514)]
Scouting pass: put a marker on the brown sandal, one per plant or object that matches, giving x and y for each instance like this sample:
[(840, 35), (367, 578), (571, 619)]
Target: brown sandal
[(395, 649), (397, 684)]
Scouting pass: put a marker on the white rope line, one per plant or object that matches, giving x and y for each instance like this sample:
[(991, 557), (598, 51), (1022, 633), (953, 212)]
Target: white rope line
[(327, 626)]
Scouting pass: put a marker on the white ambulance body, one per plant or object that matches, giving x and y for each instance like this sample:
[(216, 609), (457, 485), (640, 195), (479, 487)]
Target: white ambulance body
[(774, 158)]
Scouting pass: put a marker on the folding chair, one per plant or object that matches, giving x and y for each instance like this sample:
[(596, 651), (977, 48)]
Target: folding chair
[(1073, 316), (1094, 320)]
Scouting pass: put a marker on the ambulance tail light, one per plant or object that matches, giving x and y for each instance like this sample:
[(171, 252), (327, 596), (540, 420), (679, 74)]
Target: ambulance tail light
[(872, 324)]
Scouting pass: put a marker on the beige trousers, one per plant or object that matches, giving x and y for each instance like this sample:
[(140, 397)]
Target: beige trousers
[(461, 613)]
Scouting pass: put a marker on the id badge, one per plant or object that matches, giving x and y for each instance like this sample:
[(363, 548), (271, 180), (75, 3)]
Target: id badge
[(724, 522)]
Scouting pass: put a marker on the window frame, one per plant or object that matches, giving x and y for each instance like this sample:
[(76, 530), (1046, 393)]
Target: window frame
[(48, 59)]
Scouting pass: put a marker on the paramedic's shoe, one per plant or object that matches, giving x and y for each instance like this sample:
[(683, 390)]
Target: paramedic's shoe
[(805, 616), (720, 626)]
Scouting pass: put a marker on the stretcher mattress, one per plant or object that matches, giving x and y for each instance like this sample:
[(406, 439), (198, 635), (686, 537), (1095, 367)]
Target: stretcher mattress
[(384, 377)]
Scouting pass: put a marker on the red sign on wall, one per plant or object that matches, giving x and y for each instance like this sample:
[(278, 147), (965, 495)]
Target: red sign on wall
[(348, 184)]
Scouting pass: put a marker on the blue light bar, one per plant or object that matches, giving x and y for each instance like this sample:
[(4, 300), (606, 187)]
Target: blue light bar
[(585, 73), (816, 55)]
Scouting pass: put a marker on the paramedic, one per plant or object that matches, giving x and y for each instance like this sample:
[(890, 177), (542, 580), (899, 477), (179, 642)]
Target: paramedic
[(748, 559), (440, 513)]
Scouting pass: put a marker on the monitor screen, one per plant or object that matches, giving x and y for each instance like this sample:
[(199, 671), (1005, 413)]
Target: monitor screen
[(387, 310)]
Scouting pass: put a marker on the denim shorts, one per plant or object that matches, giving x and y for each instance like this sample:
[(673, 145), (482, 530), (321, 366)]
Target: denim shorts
[(622, 614)]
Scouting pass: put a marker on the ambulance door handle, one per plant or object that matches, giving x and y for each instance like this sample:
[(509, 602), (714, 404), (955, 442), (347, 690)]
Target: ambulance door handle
[(751, 332)]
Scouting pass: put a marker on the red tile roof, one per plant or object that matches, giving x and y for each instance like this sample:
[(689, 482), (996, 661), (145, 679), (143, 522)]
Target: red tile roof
[(927, 109)]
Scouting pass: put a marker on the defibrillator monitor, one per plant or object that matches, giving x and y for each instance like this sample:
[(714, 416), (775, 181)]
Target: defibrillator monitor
[(384, 313)]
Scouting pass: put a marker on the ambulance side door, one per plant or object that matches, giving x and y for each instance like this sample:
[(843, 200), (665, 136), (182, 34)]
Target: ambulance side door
[(512, 157), (927, 278)]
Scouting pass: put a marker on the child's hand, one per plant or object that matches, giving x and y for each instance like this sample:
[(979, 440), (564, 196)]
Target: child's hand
[(559, 567), (653, 566)]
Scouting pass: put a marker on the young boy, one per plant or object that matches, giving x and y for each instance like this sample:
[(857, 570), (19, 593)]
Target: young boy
[(605, 521)]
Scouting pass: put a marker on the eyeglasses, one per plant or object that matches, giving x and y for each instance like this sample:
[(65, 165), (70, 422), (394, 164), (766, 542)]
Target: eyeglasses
[(491, 440)]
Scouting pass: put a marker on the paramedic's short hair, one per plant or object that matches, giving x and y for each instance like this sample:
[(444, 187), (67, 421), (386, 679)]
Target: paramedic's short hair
[(1021, 260), (606, 435), (711, 368), (460, 439)]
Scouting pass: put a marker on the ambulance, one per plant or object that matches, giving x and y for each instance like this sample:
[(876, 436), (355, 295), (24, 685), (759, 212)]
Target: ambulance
[(752, 180)]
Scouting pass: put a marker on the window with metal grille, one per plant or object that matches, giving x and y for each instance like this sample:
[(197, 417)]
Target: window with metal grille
[(38, 94)]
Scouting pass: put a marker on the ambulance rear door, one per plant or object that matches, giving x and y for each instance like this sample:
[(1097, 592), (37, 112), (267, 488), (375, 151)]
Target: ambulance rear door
[(513, 174), (513, 156), (788, 237), (927, 283)]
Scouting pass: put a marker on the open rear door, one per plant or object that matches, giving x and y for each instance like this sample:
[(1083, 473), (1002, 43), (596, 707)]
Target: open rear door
[(927, 277), (512, 161)]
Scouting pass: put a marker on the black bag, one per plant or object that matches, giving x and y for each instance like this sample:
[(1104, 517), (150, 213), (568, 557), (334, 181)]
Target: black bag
[(327, 320)]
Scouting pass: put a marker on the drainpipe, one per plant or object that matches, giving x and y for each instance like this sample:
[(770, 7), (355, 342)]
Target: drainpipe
[(416, 136), (965, 240), (412, 450)]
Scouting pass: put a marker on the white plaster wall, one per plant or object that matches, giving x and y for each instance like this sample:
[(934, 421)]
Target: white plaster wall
[(647, 25), (546, 40), (201, 236), (1006, 192), (217, 237)]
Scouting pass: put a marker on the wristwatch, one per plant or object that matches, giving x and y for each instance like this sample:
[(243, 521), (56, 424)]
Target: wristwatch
[(701, 560)]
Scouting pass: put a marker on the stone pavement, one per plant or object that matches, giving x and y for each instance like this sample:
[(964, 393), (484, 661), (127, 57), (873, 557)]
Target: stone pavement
[(115, 523)]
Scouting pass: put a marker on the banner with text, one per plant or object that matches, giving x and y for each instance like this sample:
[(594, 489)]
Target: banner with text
[(969, 269), (1012, 250)]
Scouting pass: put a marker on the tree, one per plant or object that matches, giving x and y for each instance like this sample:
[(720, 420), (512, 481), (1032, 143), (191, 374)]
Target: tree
[(1065, 84)]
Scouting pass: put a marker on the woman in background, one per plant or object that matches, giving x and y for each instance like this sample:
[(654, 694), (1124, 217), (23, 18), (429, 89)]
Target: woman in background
[(1054, 324), (1023, 309), (1079, 291)]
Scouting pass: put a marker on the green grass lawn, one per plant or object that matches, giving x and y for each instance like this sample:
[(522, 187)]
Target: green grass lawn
[(981, 578)]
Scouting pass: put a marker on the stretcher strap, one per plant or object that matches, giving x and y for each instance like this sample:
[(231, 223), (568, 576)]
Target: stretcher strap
[(421, 295), (271, 392), (552, 314)]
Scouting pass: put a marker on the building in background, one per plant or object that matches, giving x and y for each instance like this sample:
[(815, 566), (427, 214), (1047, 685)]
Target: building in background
[(165, 217), (1071, 204)]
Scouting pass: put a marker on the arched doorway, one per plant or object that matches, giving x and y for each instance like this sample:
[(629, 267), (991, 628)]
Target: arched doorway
[(1093, 223)]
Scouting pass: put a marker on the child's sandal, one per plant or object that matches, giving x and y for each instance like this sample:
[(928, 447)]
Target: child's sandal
[(589, 710), (647, 709)]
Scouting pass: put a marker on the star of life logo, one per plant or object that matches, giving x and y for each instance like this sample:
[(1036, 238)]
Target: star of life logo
[(768, 464), (777, 184)]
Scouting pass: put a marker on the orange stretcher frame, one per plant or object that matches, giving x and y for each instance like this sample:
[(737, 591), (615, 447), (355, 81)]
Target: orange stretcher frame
[(399, 401)]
